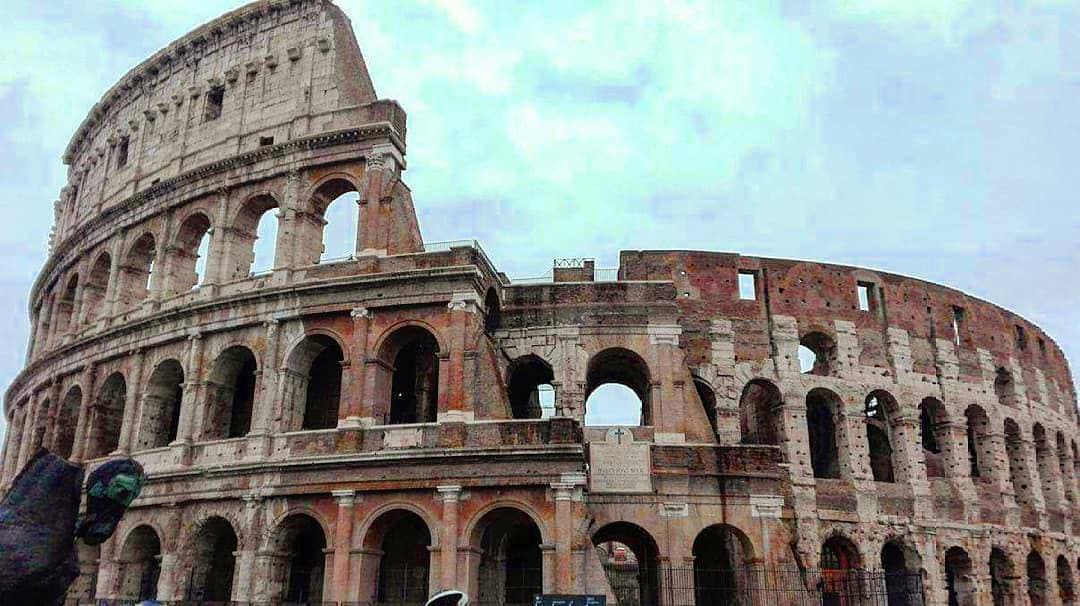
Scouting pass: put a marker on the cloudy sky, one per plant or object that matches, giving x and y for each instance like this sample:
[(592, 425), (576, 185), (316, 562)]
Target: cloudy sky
[(914, 136)]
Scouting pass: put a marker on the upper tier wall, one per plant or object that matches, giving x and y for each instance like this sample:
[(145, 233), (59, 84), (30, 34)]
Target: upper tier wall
[(818, 294), (271, 71)]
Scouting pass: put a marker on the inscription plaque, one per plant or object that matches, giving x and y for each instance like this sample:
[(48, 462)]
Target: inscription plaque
[(619, 464)]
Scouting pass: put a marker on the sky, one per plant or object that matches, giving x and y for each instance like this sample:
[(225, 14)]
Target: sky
[(921, 137)]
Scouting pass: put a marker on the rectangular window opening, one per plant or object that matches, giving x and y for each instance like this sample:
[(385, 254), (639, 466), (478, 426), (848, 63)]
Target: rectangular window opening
[(122, 152), (1042, 347), (214, 101), (957, 323), (866, 296), (1021, 338), (266, 141), (748, 285)]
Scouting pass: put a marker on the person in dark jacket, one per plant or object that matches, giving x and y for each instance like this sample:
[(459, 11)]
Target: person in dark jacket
[(40, 522)]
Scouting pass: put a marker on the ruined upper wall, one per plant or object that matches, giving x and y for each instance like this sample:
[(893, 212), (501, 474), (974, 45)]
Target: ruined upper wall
[(818, 294), (272, 71)]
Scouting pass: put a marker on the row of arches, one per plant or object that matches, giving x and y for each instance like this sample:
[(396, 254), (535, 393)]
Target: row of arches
[(1007, 579), (171, 264)]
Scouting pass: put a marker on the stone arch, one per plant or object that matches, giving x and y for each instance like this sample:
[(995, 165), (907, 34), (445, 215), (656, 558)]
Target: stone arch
[(1018, 472), (707, 396), (492, 311), (528, 375), (823, 408), (136, 270), (96, 286), (401, 542), (821, 347), (760, 412), (960, 587), (67, 416), (1045, 462), (980, 448), (312, 385), (66, 314), (1065, 467), (624, 367), (230, 394), (298, 568), (933, 432), (159, 412), (313, 222), (634, 577), (1066, 588), (1002, 577), (210, 553), (507, 565), (721, 552), (107, 416), (182, 256), (1005, 387), (246, 222), (880, 410), (838, 558), (408, 375), (899, 554), (1038, 588), (139, 563)]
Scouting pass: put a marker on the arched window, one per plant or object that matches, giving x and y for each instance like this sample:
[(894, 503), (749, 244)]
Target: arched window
[(630, 559), (1000, 577), (1045, 462), (822, 407), (529, 384), (980, 449), (1018, 472), (932, 432), (1064, 467), (136, 270), (838, 557), (627, 402), (160, 416), (1038, 591), (230, 394), (315, 391), (108, 416), (186, 263), (760, 413), (67, 417), (411, 387), (140, 565), (492, 311), (404, 541), (330, 232), (253, 236), (708, 401), (1004, 387), (511, 561), (65, 307), (879, 408), (959, 584), (213, 562), (1066, 591), (300, 570), (720, 553), (94, 290), (817, 354)]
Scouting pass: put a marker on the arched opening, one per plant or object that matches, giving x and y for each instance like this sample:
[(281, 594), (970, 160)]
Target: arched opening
[(1065, 468), (708, 401), (759, 413), (1065, 582), (140, 565), (492, 311), (300, 567), (213, 562), (721, 553), (254, 236), (160, 414), (136, 270), (1004, 387), (402, 541), (980, 449), (230, 394), (1018, 473), (510, 570), (67, 416), (879, 409), (529, 385), (817, 354), (1045, 463), (65, 307), (1038, 591), (630, 560), (822, 408), (899, 561), (108, 415), (334, 223), (839, 558), (1001, 577), (186, 261), (959, 583), (94, 290), (612, 405), (932, 434), (314, 385), (411, 386)]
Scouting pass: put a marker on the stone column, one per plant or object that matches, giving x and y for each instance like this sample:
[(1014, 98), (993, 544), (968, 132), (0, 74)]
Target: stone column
[(283, 249), (82, 425), (112, 290), (266, 393), (343, 527), (190, 401), (563, 493), (54, 412), (220, 252), (133, 402), (356, 413), (14, 439), (30, 421), (159, 274), (461, 305), (448, 560)]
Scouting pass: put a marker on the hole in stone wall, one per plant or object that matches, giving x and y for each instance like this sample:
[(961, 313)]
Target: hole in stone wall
[(231, 391), (617, 390), (822, 406), (140, 565), (215, 101), (122, 152), (759, 413), (817, 354), (108, 417), (530, 379), (161, 406), (414, 385), (877, 410)]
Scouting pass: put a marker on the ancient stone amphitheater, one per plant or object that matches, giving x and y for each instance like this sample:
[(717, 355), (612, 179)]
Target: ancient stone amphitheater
[(373, 429)]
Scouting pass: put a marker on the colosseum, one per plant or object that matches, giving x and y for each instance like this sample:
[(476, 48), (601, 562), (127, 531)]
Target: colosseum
[(376, 428)]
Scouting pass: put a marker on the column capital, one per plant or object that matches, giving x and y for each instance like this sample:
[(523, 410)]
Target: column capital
[(195, 336), (360, 312), (345, 498), (467, 301), (449, 492)]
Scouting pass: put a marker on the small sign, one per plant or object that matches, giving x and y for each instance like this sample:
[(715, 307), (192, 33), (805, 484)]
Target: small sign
[(570, 600), (619, 464)]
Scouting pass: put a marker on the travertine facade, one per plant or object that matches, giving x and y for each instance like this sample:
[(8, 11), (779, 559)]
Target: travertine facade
[(368, 430)]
